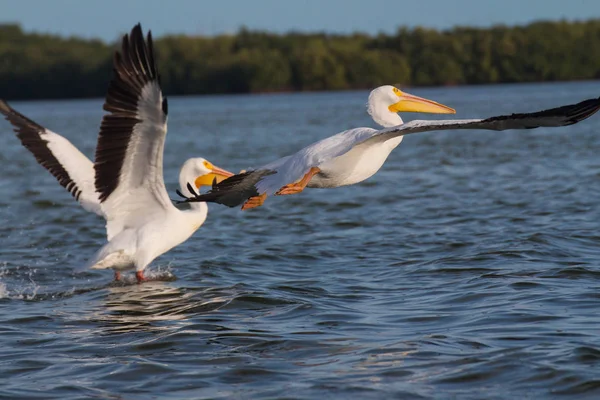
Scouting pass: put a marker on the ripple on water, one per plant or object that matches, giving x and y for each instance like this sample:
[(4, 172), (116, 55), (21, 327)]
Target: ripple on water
[(466, 268)]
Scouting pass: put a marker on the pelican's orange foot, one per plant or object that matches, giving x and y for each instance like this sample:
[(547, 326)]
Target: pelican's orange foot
[(117, 276), (297, 187), (291, 188), (255, 201), (139, 275)]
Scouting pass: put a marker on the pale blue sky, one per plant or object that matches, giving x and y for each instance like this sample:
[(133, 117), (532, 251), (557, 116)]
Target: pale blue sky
[(107, 19)]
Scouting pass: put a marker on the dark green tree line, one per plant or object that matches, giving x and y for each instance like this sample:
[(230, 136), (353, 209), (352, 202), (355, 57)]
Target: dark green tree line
[(45, 66)]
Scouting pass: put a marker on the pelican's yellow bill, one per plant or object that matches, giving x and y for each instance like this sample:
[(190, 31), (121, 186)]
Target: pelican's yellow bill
[(411, 103), (208, 179)]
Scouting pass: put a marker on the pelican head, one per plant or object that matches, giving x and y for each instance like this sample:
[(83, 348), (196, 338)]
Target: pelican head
[(201, 172), (386, 101)]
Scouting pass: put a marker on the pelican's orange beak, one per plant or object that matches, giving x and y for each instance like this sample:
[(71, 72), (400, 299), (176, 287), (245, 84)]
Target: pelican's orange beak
[(216, 173), (410, 103)]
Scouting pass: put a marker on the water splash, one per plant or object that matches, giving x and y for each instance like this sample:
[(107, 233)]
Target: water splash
[(3, 291), (24, 287)]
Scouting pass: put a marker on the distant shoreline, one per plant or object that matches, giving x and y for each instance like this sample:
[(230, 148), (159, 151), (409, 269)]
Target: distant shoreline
[(36, 66)]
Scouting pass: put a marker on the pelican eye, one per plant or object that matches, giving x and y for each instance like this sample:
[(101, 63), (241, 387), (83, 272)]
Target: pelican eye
[(397, 92), (208, 165)]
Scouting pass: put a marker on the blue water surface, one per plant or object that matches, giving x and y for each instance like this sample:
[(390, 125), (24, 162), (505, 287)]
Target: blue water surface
[(468, 267)]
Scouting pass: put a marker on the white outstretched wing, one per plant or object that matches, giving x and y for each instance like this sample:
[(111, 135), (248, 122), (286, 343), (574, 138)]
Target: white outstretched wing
[(129, 155), (73, 170), (554, 117), (293, 168)]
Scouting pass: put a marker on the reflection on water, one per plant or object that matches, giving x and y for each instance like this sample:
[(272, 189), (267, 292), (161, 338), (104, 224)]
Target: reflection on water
[(133, 308), (466, 268)]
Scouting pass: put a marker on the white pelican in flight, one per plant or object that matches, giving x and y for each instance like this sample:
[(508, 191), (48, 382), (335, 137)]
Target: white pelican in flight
[(125, 185), (356, 154)]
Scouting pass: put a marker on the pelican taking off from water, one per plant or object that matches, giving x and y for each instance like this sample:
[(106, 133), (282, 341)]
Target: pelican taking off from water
[(125, 186), (356, 154)]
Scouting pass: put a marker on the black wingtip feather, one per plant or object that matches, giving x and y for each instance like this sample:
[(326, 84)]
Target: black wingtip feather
[(134, 67), (30, 133), (234, 190), (570, 114), (191, 189), (165, 106)]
